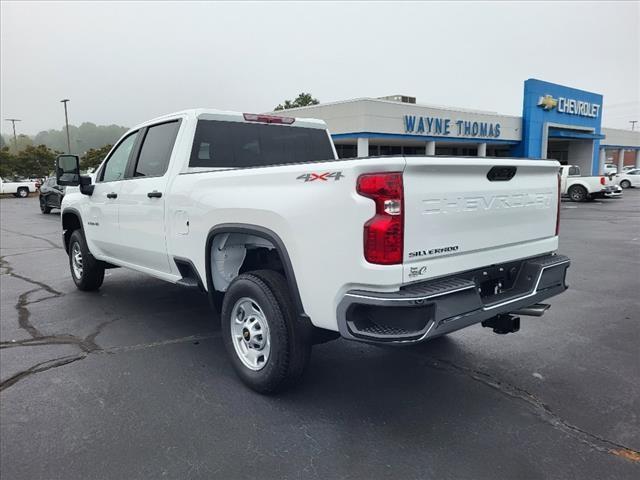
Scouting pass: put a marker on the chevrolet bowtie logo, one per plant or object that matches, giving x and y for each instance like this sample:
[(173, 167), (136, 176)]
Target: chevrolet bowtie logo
[(547, 102)]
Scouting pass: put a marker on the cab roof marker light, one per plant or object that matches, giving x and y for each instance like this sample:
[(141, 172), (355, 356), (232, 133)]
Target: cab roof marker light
[(254, 117)]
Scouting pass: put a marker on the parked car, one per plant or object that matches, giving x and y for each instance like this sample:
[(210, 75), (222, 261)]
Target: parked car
[(305, 247), (610, 168), (581, 189), (630, 178), (51, 195), (626, 168), (19, 188)]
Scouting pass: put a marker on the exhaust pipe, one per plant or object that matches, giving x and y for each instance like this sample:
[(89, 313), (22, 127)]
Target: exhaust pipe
[(536, 310)]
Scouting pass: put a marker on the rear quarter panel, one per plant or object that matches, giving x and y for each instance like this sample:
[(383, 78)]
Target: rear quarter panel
[(319, 220)]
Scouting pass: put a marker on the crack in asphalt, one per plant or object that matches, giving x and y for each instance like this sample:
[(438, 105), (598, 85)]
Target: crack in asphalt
[(37, 237), (40, 367), (87, 345), (541, 409)]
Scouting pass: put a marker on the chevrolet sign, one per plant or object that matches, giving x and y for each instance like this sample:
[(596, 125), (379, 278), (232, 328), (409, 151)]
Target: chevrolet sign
[(569, 106)]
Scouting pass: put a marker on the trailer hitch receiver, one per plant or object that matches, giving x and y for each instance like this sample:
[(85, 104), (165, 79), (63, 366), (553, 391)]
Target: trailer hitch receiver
[(503, 324)]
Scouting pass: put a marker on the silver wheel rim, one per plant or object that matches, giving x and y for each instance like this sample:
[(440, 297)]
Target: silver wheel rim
[(76, 260), (23, 192), (250, 334)]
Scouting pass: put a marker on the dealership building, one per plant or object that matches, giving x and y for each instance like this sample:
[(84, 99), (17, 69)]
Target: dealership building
[(557, 122)]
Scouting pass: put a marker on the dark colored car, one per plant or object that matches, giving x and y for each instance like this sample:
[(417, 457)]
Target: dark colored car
[(51, 195)]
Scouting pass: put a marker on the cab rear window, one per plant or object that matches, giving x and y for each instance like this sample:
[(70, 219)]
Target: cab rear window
[(237, 144)]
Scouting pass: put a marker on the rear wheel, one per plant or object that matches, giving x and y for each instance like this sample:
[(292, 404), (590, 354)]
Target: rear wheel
[(578, 193), (625, 183), (22, 192), (86, 271), (43, 206), (266, 344)]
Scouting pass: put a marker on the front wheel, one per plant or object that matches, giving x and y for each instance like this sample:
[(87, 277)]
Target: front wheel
[(578, 193), (86, 271), (625, 183), (261, 333), (43, 206)]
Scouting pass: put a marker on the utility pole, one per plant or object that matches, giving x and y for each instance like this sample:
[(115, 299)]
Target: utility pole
[(15, 138), (66, 121), (633, 124)]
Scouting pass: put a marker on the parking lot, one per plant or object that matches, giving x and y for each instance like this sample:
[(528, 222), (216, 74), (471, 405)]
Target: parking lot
[(133, 381)]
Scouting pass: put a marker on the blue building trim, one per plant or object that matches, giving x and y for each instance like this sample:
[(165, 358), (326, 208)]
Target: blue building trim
[(425, 138), (549, 105), (553, 133), (618, 147)]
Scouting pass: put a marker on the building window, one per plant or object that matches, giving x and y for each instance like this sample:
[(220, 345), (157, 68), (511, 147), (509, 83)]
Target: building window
[(389, 150), (347, 151), (374, 150), (413, 151)]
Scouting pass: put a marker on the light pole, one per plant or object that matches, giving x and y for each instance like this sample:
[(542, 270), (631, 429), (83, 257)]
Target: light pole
[(633, 124), (15, 138), (66, 121)]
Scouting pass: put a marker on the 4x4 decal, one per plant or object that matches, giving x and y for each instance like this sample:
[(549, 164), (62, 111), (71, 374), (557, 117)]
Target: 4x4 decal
[(324, 177)]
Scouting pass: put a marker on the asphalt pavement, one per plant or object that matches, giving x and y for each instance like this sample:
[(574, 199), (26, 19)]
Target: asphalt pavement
[(132, 382)]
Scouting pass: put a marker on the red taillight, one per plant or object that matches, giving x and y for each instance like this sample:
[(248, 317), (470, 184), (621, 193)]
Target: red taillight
[(254, 117), (558, 211), (602, 181), (384, 233)]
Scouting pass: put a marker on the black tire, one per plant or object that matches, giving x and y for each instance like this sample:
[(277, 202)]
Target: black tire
[(290, 347), (625, 183), (22, 192), (43, 206), (91, 276), (578, 193)]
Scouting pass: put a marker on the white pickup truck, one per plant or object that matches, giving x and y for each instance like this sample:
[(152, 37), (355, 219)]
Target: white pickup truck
[(19, 188), (300, 247), (581, 189)]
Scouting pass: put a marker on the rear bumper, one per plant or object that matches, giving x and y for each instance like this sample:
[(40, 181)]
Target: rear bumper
[(429, 309)]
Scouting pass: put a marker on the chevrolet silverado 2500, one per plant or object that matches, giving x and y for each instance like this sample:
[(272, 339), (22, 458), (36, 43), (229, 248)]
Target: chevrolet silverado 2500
[(299, 247)]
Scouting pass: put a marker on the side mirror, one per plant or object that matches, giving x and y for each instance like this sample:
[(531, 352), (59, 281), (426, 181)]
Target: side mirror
[(68, 170)]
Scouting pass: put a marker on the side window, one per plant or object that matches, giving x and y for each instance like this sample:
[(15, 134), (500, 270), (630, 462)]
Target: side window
[(156, 150), (574, 171), (117, 162)]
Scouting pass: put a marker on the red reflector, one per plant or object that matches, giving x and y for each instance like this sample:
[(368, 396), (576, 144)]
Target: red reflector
[(602, 181), (384, 233), (254, 117)]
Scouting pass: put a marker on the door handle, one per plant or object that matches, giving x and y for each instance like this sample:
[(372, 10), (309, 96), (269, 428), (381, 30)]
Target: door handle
[(154, 194), (112, 195)]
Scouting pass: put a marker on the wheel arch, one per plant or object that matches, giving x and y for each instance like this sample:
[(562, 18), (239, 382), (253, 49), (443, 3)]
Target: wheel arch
[(71, 220), (271, 237)]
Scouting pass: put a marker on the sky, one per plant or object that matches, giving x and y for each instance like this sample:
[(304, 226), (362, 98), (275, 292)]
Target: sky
[(127, 62)]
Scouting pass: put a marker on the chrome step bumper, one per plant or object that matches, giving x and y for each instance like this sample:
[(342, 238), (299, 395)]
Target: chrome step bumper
[(429, 309)]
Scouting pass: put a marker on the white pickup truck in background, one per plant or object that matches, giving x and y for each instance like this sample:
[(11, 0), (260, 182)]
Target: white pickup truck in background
[(301, 247), (581, 189), (19, 188)]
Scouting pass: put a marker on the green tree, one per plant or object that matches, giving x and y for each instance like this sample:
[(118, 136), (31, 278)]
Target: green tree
[(303, 100), (35, 161), (7, 163), (93, 157)]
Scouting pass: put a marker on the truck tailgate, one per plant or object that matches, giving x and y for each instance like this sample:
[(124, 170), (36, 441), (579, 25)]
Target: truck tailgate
[(465, 213)]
